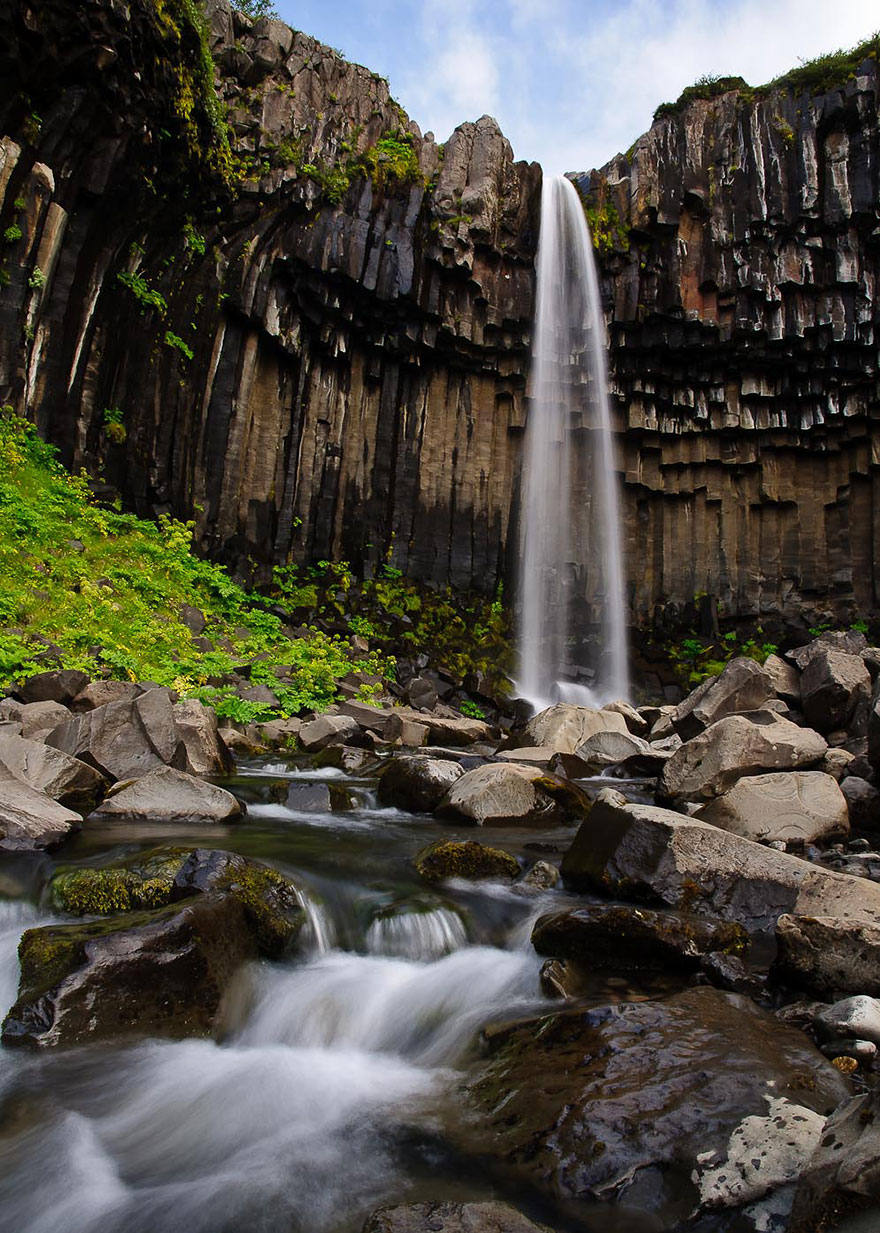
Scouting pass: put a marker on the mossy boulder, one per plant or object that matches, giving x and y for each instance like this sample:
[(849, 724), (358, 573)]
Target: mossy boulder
[(466, 859), (144, 883)]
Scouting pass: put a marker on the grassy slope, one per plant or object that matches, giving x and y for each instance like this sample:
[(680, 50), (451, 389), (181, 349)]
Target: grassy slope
[(106, 589)]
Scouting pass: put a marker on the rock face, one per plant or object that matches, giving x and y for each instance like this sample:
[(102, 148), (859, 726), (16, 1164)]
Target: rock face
[(640, 1103)]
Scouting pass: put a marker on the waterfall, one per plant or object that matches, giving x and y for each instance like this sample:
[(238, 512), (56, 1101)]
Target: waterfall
[(571, 575)]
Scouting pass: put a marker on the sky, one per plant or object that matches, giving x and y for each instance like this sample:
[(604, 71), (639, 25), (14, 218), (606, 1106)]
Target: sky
[(571, 82)]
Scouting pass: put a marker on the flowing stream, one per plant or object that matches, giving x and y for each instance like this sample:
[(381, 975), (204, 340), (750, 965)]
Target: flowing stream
[(571, 583), (340, 1068)]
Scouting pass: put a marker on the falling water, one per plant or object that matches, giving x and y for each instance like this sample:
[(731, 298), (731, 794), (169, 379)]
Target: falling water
[(571, 577)]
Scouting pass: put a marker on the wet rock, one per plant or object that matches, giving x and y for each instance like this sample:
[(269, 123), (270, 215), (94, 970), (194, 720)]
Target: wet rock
[(464, 859), (309, 797), (541, 876), (204, 751), (642, 852), (739, 745), (346, 758), (643, 1104), (61, 686), (162, 973), (328, 730), (629, 938), (832, 686), (503, 794), (166, 795), (827, 955), (65, 779), (30, 819), (862, 1051), (863, 802), (491, 1217), (417, 784), (843, 1174), (564, 727), (852, 1018), (792, 806), (743, 686)]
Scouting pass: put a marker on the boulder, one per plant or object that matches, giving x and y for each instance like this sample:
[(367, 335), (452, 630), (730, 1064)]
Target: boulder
[(828, 955), (843, 1174), (328, 730), (854, 1018), (161, 973), (609, 748), (785, 679), (280, 733), (789, 806), (58, 686), (849, 641), (417, 784), (564, 727), (636, 722), (709, 764), (743, 686), (39, 718), (30, 819), (836, 763), (642, 852), (407, 732), (421, 693), (863, 802), (99, 693), (832, 686), (504, 794), (665, 1107), (464, 859), (626, 938), (167, 795), (204, 751), (121, 739), (531, 755), (65, 779), (491, 1217)]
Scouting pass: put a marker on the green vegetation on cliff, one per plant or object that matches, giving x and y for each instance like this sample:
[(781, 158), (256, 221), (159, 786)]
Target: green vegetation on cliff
[(101, 590)]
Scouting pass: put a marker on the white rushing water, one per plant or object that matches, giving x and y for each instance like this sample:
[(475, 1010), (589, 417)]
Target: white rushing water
[(571, 569)]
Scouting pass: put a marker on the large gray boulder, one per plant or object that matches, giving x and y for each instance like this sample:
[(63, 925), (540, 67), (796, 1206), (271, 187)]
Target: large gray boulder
[(790, 806), (40, 718), (493, 1217), (830, 955), (785, 679), (833, 685), (564, 727), (843, 1174), (56, 686), (65, 779), (505, 794), (610, 748), (416, 783), (666, 1107), (863, 802), (849, 641), (99, 693), (167, 795), (30, 819), (743, 686), (642, 852), (204, 751), (709, 764), (328, 730)]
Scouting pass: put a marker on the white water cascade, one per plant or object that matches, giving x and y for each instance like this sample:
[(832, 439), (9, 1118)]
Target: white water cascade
[(571, 576)]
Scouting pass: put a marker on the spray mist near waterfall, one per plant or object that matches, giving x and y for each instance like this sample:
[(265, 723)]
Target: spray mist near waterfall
[(571, 583)]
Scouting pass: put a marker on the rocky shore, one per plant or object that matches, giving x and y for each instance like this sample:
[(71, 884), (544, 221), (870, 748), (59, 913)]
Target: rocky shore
[(722, 859)]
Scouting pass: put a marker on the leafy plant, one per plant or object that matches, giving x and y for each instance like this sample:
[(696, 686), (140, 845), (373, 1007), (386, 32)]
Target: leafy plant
[(175, 341), (145, 295)]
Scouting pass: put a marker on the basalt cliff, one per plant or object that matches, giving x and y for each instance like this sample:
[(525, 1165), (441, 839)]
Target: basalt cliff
[(240, 285)]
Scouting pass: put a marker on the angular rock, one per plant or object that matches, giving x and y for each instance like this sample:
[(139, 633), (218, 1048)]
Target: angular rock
[(709, 764), (828, 955), (504, 794), (645, 853), (99, 693), (609, 748), (162, 973), (491, 1217), (59, 686), (743, 686), (564, 726), (636, 723), (847, 641), (195, 727), (421, 693), (836, 763), (791, 806), (417, 784), (843, 1174), (697, 1101), (852, 1018), (464, 859), (863, 802), (39, 718), (785, 679), (628, 938), (531, 755), (328, 730), (407, 732), (121, 739), (874, 728), (30, 820), (832, 686), (280, 733), (64, 779), (167, 795)]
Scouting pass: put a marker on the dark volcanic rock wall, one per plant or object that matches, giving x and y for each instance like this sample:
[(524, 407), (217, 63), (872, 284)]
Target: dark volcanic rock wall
[(742, 254), (358, 359)]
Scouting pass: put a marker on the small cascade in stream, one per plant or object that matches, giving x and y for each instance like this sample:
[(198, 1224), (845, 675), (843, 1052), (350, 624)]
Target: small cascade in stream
[(571, 569)]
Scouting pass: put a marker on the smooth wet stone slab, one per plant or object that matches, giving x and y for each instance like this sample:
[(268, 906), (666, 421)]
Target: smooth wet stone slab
[(166, 795), (698, 1101)]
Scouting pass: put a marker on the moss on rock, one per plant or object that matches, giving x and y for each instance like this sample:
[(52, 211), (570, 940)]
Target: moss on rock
[(465, 859)]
